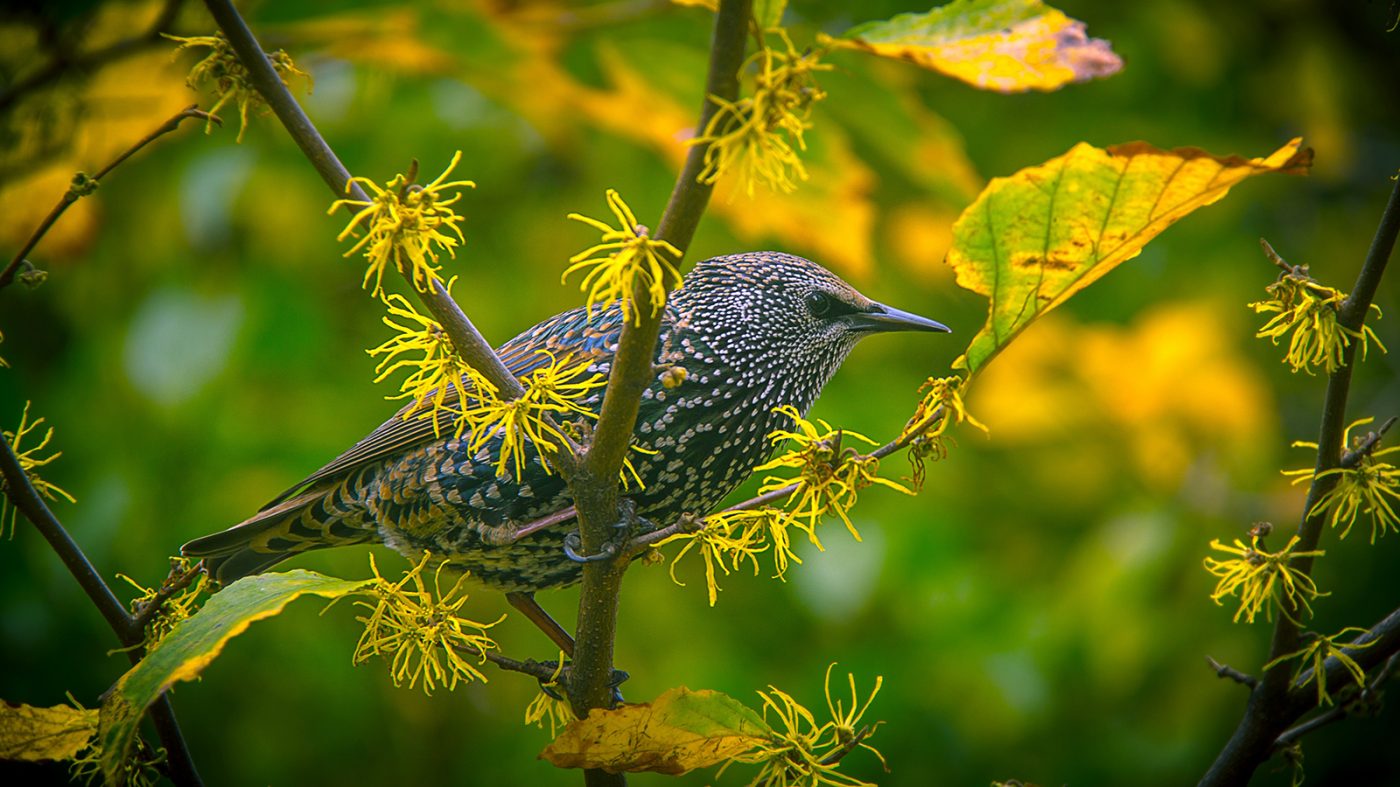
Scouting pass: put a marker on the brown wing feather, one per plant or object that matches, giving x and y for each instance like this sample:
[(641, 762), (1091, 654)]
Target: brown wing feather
[(567, 336)]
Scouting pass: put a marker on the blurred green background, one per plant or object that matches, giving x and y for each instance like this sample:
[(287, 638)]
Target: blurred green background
[(1039, 612)]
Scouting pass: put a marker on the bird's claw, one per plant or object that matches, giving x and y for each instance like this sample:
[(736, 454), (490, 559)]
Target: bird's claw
[(572, 545), (626, 524), (554, 688)]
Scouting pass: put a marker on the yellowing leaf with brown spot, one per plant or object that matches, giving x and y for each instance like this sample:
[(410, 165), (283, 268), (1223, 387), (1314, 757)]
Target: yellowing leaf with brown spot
[(1034, 239), (1009, 46), (195, 642), (678, 732), (58, 733)]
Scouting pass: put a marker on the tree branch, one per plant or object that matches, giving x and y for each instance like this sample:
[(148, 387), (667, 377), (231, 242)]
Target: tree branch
[(538, 670), (1227, 671), (595, 486), (24, 497), (1377, 645), (1369, 694), (1271, 709), (74, 192), (466, 339)]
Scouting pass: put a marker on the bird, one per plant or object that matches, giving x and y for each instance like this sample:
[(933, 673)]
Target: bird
[(751, 331)]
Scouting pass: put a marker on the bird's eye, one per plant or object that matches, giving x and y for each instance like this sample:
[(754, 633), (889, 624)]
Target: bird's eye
[(818, 303)]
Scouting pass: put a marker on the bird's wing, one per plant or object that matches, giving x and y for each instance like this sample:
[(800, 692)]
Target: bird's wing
[(570, 337)]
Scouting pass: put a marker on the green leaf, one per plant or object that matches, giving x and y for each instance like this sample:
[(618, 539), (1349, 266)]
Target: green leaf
[(57, 733), (195, 642), (678, 732), (1034, 239), (769, 13), (1009, 46)]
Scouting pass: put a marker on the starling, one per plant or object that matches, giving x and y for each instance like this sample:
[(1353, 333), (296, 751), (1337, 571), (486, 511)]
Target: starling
[(751, 332)]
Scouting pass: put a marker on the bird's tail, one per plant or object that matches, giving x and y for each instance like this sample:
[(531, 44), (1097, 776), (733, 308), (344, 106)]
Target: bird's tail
[(326, 515)]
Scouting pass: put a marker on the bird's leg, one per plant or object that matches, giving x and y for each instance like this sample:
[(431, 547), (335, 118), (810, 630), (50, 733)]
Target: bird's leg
[(509, 533), (531, 609), (623, 529)]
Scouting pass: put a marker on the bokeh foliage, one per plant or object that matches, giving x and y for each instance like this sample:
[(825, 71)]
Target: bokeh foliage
[(1039, 612)]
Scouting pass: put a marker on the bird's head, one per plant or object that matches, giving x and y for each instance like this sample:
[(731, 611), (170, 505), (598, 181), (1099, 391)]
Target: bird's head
[(785, 311)]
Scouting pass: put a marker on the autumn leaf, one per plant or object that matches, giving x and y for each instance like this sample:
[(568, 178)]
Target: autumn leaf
[(678, 732), (57, 733), (1009, 46), (1034, 239), (195, 642), (390, 38)]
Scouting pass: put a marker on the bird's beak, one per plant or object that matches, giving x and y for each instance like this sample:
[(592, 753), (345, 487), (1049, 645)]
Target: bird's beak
[(882, 318)]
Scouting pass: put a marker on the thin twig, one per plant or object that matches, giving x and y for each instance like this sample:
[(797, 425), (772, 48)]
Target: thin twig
[(535, 669), (1226, 671), (848, 747), (1353, 457), (1367, 695), (1293, 270), (686, 524), (466, 339), (24, 497), (62, 64), (1368, 650), (1271, 708), (73, 194), (147, 610)]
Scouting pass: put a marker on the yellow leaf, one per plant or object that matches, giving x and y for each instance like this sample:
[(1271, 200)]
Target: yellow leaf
[(1034, 239), (389, 38), (678, 732), (195, 642), (57, 733), (1009, 46), (712, 5)]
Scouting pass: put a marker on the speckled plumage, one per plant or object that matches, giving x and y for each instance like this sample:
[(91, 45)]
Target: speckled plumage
[(752, 331)]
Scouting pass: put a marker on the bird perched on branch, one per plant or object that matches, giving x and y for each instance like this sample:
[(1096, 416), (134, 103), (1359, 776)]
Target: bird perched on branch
[(751, 331)]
